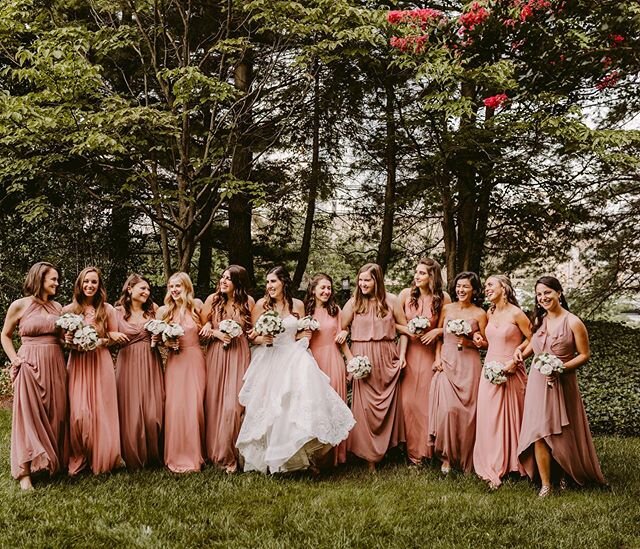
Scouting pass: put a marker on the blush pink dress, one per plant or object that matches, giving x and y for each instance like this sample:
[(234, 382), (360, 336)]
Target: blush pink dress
[(375, 397), (185, 381), (452, 402), (329, 358), (415, 384), (500, 409), (225, 370), (39, 435), (140, 385), (93, 406), (556, 414)]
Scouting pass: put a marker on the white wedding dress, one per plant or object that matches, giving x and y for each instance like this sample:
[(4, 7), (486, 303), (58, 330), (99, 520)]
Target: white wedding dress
[(291, 411)]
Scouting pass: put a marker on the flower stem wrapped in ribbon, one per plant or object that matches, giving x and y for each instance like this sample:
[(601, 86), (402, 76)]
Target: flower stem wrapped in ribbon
[(270, 324), (460, 328), (231, 328)]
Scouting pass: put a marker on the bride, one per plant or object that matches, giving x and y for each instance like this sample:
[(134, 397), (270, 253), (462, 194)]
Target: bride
[(292, 415)]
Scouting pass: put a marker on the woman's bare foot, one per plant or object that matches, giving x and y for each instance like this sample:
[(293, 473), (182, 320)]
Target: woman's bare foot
[(25, 483)]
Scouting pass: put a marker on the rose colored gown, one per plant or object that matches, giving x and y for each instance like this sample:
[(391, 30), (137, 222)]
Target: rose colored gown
[(140, 384), (39, 429), (500, 409), (415, 384), (223, 412), (452, 402), (93, 406), (375, 403), (556, 414), (185, 381), (329, 358)]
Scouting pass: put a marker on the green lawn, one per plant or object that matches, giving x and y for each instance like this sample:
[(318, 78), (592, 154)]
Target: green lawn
[(397, 507)]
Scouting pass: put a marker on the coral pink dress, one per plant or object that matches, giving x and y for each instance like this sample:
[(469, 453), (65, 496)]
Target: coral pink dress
[(223, 412), (415, 384), (39, 427), (93, 405), (452, 402), (556, 414), (329, 358), (185, 381), (500, 409), (375, 397), (140, 384)]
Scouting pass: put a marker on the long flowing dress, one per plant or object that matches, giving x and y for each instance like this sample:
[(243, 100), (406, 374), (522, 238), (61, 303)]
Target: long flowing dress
[(185, 381), (556, 414), (452, 402), (39, 435), (324, 349), (223, 412), (375, 402), (291, 412), (93, 406), (415, 384), (140, 385), (500, 409)]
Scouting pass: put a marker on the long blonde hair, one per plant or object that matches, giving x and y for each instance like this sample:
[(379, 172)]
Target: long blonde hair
[(98, 302), (361, 303), (187, 298)]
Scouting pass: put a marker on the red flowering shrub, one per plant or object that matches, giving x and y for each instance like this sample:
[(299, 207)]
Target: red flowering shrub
[(424, 16), (495, 101), (476, 15), (616, 39), (608, 81)]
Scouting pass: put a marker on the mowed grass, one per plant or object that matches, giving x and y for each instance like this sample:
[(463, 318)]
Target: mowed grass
[(397, 507)]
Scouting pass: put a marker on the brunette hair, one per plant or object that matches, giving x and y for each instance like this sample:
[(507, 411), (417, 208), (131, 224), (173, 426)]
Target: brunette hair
[(34, 281), (188, 298), (241, 285), (538, 311), (507, 287), (283, 276), (474, 279), (379, 292), (310, 298), (435, 286), (98, 302), (125, 297)]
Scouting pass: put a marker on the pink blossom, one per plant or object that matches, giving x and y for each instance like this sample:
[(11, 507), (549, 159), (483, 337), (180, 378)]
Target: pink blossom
[(616, 39), (476, 15), (495, 101), (608, 81), (424, 16)]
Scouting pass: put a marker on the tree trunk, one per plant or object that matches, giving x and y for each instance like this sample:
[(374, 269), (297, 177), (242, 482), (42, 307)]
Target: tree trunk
[(203, 284), (303, 256), (120, 249)]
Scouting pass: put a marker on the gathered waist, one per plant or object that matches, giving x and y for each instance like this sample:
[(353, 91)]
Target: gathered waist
[(40, 340)]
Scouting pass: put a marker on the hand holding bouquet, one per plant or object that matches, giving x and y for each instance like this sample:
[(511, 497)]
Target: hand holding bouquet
[(155, 327), (359, 366), (171, 334), (460, 328), (269, 324), (230, 328), (418, 325), (548, 365), (494, 372), (86, 338)]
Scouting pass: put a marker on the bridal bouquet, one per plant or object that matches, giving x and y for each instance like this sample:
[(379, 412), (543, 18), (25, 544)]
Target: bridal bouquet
[(308, 323), (231, 328), (548, 364), (418, 325), (494, 372), (359, 367), (70, 322), (269, 323), (86, 338), (172, 331), (460, 328), (155, 327)]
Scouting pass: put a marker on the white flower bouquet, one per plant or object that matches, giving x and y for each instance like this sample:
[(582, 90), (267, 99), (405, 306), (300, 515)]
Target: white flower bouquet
[(269, 323), (86, 338), (359, 366), (548, 364), (460, 328), (231, 328), (70, 322), (418, 325), (308, 323), (171, 332), (494, 372), (155, 327)]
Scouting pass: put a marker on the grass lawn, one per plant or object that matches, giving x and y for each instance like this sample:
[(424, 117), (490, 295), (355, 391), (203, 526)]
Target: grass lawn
[(397, 507)]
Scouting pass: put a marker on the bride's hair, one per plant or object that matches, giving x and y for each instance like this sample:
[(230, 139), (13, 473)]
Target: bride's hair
[(283, 276)]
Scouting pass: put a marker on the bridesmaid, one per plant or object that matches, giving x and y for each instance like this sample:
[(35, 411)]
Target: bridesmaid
[(185, 380), (424, 298), (139, 378), (454, 388), (39, 431), (500, 406), (327, 342), (372, 316), (225, 367), (555, 429), (93, 401)]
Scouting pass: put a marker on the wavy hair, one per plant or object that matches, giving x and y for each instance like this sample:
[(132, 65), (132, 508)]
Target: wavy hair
[(283, 276), (361, 303), (310, 298), (476, 287), (34, 281), (240, 298), (507, 288), (187, 298), (80, 301), (435, 286), (538, 311), (124, 300)]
